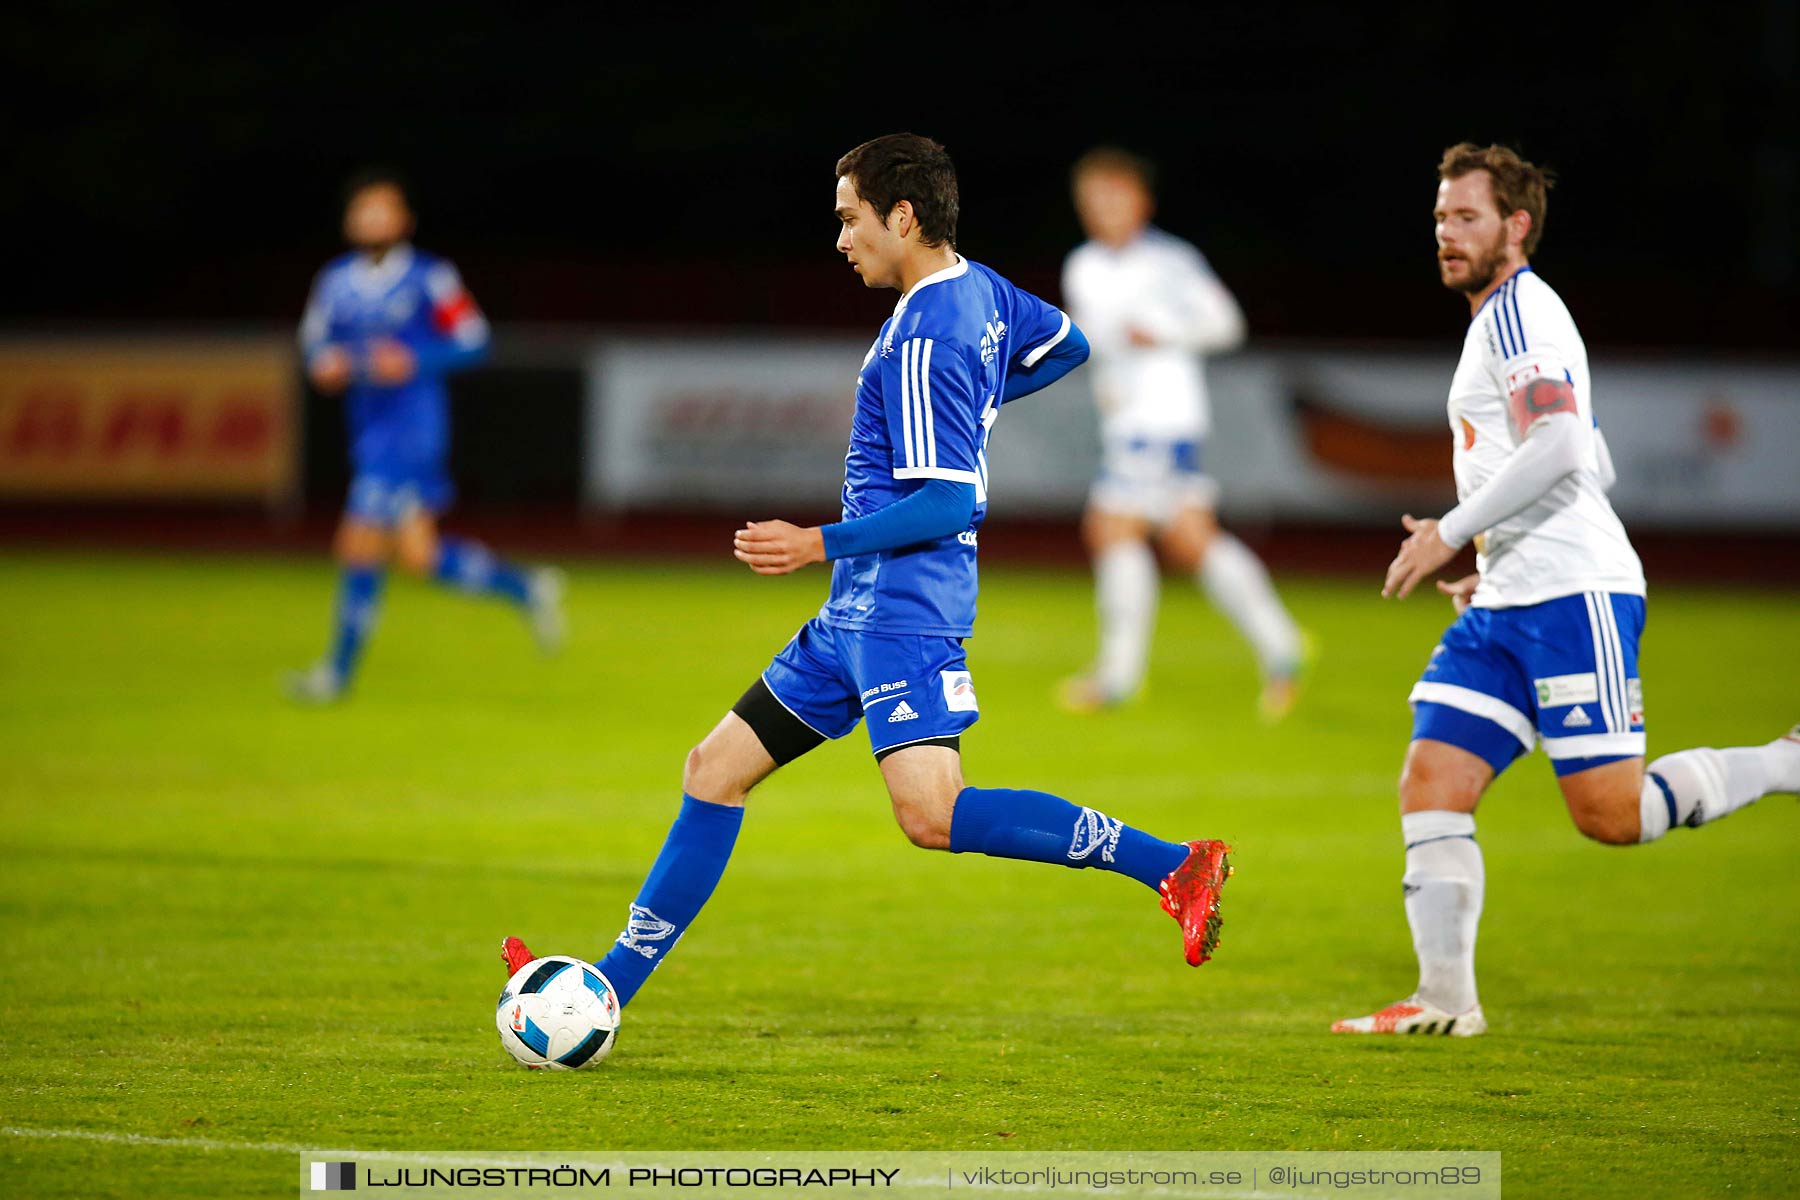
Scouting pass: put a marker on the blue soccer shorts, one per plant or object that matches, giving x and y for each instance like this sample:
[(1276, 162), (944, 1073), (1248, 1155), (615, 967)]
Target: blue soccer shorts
[(908, 688), (388, 497), (1564, 672)]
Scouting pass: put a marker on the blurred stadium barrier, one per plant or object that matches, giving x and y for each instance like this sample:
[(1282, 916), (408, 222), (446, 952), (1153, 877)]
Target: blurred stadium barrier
[(149, 419), (569, 419), (1335, 436)]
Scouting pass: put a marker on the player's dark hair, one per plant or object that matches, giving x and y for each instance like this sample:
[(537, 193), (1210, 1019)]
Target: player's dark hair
[(361, 181), (905, 166), (1516, 184), (1115, 160)]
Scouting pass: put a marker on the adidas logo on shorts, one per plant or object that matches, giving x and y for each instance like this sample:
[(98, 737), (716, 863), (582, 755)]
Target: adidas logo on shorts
[(903, 712), (1577, 718)]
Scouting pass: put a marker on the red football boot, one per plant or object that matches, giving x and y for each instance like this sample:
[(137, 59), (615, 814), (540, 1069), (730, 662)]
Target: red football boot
[(515, 954), (1191, 895)]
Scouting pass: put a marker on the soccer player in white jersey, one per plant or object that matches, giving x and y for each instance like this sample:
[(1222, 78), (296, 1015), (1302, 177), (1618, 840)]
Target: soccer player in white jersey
[(1545, 644), (1152, 307), (886, 649)]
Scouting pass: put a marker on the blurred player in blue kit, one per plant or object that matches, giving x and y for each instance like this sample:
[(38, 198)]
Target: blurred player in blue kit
[(386, 323), (887, 647)]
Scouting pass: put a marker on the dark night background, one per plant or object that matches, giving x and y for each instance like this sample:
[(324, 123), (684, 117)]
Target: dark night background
[(600, 164)]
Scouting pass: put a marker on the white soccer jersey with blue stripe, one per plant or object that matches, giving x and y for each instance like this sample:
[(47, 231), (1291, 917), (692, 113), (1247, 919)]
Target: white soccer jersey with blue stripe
[(1569, 540)]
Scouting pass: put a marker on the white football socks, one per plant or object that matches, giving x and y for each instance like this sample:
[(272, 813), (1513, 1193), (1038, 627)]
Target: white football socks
[(1126, 587), (1236, 581), (1444, 884), (1692, 787)]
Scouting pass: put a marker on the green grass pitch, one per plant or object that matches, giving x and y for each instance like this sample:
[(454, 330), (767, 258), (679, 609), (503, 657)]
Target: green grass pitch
[(254, 927)]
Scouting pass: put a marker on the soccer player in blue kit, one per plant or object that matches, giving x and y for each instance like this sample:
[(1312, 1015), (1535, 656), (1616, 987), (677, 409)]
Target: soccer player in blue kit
[(887, 647), (385, 324)]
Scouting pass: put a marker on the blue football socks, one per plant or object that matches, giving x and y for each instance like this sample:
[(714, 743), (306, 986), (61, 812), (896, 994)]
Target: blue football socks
[(687, 870), (1039, 827), (359, 597), (469, 566), (999, 822)]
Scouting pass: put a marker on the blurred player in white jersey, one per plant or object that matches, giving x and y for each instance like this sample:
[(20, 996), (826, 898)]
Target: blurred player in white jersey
[(1152, 306), (1545, 644)]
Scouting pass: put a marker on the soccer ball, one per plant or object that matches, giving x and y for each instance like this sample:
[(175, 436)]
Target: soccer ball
[(558, 1012)]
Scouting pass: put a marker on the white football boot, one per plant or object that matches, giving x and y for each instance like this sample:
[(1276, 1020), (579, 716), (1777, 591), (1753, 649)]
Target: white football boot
[(544, 609), (319, 684), (1413, 1015)]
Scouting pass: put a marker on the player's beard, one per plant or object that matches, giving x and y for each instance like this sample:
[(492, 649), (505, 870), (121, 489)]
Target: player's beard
[(1481, 268)]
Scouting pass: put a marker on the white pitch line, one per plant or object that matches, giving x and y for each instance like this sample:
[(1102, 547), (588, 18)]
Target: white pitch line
[(140, 1139)]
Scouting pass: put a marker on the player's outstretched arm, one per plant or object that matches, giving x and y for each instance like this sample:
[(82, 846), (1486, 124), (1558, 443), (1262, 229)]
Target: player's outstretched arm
[(1206, 319), (463, 337), (1421, 556), (1553, 445), (939, 508), (1034, 374), (777, 547), (1555, 440), (441, 356), (328, 365), (330, 368), (1461, 592)]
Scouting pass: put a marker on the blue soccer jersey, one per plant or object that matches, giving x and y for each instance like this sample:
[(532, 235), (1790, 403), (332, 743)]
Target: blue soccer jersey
[(397, 433), (926, 402)]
